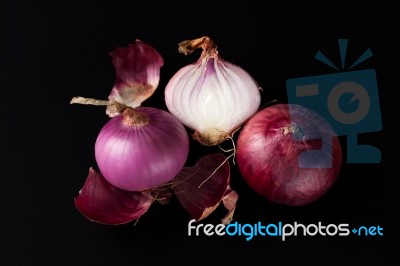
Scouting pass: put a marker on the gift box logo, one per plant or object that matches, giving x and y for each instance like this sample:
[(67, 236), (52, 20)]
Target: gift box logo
[(348, 101)]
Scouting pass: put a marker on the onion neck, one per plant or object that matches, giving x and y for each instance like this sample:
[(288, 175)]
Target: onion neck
[(206, 43), (294, 129), (114, 108), (133, 117)]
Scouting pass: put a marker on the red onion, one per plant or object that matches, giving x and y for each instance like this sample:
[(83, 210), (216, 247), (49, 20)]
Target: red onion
[(289, 154), (101, 202), (213, 96), (141, 148)]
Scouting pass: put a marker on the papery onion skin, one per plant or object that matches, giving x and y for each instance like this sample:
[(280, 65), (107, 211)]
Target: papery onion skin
[(143, 156), (268, 155), (137, 73), (201, 188), (101, 202), (213, 97)]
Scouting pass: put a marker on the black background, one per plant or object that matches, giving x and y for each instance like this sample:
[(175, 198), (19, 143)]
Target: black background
[(52, 51)]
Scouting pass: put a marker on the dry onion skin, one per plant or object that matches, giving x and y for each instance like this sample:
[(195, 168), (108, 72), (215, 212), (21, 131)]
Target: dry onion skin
[(137, 73), (201, 188), (101, 202)]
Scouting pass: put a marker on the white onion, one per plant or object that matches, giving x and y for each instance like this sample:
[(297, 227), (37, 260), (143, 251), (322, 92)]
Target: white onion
[(213, 97)]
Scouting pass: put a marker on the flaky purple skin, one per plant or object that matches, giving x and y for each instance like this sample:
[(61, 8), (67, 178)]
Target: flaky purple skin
[(101, 202), (137, 73), (201, 187)]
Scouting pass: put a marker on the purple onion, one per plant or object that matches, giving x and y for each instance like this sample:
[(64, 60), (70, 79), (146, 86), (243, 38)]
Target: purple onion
[(141, 149)]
